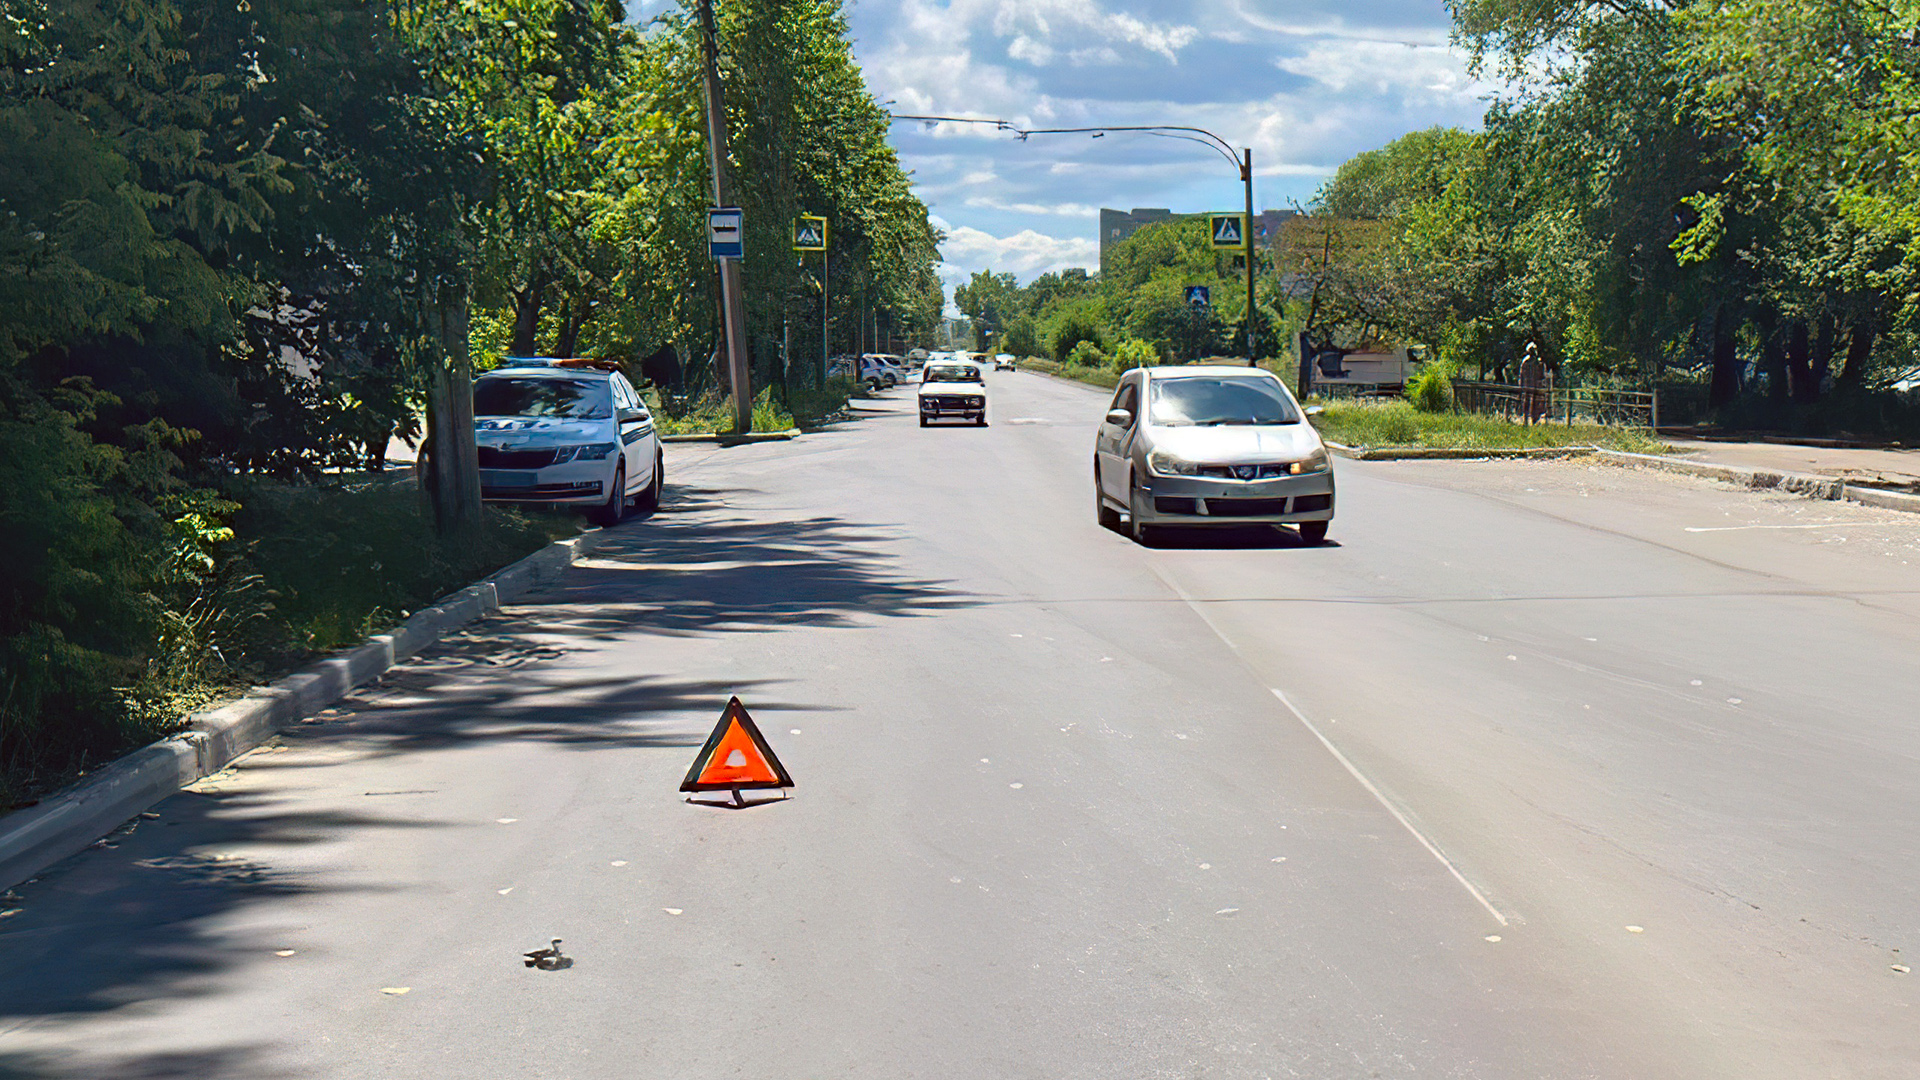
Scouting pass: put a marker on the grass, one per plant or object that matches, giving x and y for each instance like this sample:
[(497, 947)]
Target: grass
[(805, 407), (311, 568), (1092, 376), (1398, 423)]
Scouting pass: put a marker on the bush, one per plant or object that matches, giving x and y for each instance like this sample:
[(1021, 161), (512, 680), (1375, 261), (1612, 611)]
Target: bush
[(1132, 353), (1086, 354), (1431, 389), (1074, 323)]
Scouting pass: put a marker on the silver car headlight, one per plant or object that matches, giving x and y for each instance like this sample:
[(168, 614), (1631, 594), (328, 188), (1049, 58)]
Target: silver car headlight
[(595, 452), (1167, 465), (1315, 462)]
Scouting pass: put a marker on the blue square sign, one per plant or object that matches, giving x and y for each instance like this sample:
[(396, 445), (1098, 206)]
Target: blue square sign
[(726, 233)]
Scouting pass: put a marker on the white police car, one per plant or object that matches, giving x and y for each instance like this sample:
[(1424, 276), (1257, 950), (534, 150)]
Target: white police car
[(566, 433)]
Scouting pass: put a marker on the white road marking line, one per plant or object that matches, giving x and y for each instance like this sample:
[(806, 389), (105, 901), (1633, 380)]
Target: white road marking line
[(1391, 809), (1737, 528), (1197, 609)]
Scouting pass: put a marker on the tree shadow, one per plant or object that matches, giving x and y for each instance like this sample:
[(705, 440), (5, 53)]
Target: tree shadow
[(148, 915), (236, 1062), (691, 570)]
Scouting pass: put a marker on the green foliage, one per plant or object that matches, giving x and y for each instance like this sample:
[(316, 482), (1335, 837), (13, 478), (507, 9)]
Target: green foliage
[(1131, 353), (1076, 322), (1399, 423), (1431, 389), (1086, 354)]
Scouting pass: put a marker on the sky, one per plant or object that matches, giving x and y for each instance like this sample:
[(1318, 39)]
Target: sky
[(1305, 83)]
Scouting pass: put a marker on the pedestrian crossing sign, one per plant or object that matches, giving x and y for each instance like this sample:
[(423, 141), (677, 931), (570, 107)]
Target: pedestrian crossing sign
[(1199, 296), (1229, 230), (810, 234)]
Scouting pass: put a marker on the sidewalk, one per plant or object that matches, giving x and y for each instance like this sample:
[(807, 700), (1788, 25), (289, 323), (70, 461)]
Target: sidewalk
[(1894, 470)]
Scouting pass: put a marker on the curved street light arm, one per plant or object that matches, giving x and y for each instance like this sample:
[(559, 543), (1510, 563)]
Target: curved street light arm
[(1225, 148)]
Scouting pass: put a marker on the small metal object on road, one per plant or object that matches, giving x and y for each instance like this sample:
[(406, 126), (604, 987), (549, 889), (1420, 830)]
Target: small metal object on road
[(736, 757), (548, 959), (726, 233)]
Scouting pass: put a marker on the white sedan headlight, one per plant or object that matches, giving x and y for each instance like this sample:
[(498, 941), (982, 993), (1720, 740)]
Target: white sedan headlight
[(1167, 465), (1312, 463)]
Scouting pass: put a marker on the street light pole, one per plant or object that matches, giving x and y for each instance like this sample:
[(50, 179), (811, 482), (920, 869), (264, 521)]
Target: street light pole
[(1246, 177), (1176, 131)]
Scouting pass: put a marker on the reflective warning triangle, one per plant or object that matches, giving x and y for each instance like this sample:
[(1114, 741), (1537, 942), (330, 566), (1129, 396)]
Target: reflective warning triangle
[(1226, 232), (736, 756)]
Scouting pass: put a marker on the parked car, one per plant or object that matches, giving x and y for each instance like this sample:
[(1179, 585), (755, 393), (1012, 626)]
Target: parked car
[(566, 433), (877, 376), (893, 368), (1209, 445), (952, 388), (1003, 362)]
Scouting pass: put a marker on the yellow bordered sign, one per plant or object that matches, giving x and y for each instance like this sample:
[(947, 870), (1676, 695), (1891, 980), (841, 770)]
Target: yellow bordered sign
[(1229, 230), (810, 233)]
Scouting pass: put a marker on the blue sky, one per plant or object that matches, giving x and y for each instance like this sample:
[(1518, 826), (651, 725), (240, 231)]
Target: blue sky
[(1306, 83)]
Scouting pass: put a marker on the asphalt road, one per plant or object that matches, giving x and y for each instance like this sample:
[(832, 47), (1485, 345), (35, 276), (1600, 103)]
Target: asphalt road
[(1537, 771)]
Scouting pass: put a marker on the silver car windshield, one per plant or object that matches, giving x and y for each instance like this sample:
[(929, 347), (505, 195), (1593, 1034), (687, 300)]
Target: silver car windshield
[(572, 399), (952, 373), (1219, 400)]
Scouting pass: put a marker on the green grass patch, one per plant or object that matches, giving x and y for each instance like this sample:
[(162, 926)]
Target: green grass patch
[(805, 407), (309, 568), (1093, 376), (1398, 423)]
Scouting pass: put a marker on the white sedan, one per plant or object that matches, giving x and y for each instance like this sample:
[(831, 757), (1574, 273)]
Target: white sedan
[(953, 389)]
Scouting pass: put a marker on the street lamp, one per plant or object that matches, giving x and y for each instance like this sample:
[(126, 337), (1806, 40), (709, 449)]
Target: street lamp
[(1242, 160)]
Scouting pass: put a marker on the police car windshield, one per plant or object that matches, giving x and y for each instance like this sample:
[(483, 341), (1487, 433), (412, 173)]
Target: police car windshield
[(570, 399)]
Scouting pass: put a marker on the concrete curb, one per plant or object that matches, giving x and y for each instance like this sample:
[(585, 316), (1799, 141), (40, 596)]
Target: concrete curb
[(66, 823), (1451, 453), (1813, 487), (734, 440)]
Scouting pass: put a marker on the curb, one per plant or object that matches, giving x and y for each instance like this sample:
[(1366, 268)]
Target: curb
[(734, 440), (1452, 453), (67, 823), (1814, 487)]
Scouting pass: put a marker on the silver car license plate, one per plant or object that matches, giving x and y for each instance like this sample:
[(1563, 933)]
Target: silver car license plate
[(499, 478)]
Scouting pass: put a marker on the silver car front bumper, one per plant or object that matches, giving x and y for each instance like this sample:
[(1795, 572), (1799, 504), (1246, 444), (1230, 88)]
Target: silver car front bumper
[(1186, 500)]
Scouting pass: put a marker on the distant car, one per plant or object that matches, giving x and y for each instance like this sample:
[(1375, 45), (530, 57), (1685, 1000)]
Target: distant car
[(1003, 362), (566, 433), (1209, 445), (952, 389), (894, 369)]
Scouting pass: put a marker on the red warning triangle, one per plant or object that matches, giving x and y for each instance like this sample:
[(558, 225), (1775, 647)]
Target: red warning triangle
[(736, 756)]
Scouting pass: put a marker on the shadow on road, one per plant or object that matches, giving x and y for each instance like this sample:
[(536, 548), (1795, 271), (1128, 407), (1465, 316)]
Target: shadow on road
[(152, 917), (697, 567)]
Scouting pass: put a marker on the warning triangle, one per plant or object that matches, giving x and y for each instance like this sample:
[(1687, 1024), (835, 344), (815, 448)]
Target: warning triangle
[(736, 756), (1226, 230)]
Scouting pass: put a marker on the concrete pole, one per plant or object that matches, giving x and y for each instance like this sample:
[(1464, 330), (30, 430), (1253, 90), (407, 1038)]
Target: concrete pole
[(732, 302)]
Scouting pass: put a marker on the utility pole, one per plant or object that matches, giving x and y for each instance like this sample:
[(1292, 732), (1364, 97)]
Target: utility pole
[(1246, 177), (739, 374)]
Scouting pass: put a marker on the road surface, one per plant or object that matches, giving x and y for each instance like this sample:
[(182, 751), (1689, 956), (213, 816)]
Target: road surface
[(1538, 770)]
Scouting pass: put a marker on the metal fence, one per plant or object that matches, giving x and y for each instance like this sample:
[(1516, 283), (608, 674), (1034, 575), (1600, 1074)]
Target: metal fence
[(1333, 391), (1548, 403)]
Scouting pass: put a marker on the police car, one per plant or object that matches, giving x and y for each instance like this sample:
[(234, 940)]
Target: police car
[(566, 433)]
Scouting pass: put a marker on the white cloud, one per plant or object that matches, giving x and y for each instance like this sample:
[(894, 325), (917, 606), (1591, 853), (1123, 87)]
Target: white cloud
[(1065, 209), (1025, 254)]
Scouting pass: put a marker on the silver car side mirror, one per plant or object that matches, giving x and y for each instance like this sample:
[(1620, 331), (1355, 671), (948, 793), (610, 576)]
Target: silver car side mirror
[(1315, 410), (1119, 417)]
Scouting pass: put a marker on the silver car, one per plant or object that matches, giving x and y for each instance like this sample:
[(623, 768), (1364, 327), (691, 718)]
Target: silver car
[(1209, 445)]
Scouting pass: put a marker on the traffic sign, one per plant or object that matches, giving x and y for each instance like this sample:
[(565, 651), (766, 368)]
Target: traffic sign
[(736, 756), (1199, 296), (1229, 230), (726, 233), (810, 233)]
